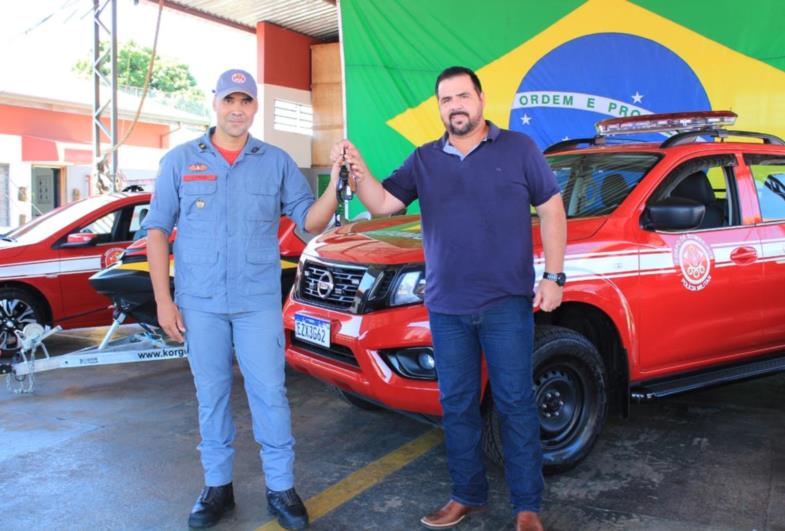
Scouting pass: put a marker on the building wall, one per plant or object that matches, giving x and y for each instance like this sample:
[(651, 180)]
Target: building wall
[(19, 176), (297, 145), (283, 57), (37, 137), (74, 127)]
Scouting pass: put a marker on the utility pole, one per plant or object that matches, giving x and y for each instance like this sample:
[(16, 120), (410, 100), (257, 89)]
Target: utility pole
[(105, 163)]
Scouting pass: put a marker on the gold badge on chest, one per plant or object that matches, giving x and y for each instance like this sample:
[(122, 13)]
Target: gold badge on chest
[(200, 203)]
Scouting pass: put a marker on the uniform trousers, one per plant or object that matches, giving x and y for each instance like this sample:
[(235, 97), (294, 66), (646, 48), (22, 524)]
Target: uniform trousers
[(257, 339)]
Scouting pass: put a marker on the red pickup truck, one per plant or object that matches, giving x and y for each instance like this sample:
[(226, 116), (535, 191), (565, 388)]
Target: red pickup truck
[(676, 274)]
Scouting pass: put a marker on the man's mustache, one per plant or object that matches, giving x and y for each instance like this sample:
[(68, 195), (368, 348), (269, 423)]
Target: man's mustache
[(456, 113)]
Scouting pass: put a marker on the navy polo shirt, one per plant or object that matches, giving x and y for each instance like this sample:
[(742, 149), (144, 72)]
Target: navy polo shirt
[(476, 220)]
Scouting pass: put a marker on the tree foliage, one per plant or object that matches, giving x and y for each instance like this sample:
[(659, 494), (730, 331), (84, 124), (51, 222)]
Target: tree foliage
[(168, 76)]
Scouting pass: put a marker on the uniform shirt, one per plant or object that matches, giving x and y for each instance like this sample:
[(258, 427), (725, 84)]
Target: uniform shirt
[(226, 251), (476, 220)]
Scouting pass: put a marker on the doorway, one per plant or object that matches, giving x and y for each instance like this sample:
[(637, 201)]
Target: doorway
[(45, 190)]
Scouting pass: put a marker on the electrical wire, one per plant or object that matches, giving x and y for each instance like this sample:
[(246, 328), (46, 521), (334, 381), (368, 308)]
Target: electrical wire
[(145, 88), (48, 17)]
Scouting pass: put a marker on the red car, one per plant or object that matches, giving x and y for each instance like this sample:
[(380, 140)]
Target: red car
[(45, 264), (675, 268), (127, 281)]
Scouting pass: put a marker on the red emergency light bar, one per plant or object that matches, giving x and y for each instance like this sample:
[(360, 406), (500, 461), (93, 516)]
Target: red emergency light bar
[(667, 122)]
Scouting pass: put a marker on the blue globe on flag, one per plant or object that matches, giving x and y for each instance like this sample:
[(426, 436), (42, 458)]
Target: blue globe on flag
[(599, 76)]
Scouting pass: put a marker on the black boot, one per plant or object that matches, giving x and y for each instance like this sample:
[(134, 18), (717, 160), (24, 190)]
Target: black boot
[(288, 507), (211, 505)]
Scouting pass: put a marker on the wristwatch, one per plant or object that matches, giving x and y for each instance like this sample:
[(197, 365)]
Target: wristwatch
[(559, 278)]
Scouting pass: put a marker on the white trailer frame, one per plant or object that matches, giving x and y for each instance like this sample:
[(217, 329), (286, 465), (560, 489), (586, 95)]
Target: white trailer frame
[(136, 348)]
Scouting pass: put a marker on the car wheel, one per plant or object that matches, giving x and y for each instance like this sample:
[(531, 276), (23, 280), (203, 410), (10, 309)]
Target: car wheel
[(18, 308), (353, 399), (570, 392)]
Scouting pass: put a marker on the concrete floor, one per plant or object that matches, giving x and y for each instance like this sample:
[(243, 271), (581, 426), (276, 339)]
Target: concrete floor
[(113, 447)]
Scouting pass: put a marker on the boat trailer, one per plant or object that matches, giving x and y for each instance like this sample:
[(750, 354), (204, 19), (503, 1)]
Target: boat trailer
[(33, 356)]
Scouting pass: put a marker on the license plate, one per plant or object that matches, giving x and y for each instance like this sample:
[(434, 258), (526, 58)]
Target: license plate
[(312, 330)]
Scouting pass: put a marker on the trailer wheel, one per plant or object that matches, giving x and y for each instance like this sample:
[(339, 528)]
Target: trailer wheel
[(570, 392), (18, 308)]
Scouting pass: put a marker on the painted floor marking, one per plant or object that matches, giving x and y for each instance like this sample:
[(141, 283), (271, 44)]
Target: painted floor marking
[(358, 482)]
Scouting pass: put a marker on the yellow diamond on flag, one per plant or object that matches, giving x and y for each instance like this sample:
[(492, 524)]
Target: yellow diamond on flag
[(732, 80)]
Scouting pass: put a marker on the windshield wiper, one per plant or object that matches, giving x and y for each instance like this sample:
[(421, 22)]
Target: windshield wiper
[(7, 238)]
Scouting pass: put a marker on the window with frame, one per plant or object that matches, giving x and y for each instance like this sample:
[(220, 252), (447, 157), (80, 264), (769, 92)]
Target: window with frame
[(135, 229), (293, 117), (769, 174), (709, 181), (102, 227), (595, 184)]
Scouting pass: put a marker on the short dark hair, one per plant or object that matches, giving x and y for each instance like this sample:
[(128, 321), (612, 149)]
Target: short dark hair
[(454, 71)]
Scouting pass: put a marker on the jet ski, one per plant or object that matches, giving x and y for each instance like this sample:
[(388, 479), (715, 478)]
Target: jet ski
[(127, 281)]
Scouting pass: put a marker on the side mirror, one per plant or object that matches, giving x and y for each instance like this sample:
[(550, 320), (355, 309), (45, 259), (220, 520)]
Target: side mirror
[(80, 239), (673, 213)]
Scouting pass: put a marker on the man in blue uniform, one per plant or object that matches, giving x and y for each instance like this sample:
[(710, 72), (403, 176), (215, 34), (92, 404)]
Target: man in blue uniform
[(225, 192), (476, 186)]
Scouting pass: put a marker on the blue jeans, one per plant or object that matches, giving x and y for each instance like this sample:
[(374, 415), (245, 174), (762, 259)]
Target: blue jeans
[(504, 333), (257, 339)]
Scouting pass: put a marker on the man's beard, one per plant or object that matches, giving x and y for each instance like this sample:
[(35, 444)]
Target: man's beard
[(465, 128)]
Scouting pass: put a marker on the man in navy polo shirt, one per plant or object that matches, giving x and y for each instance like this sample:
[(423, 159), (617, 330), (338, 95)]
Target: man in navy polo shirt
[(476, 186)]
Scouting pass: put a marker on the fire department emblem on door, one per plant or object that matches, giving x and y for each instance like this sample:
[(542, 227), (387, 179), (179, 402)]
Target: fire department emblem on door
[(693, 257)]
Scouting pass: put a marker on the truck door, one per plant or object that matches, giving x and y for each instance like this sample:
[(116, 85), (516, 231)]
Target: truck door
[(700, 287), (768, 177)]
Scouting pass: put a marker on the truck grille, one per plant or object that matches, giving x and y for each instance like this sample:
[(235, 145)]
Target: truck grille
[(330, 285)]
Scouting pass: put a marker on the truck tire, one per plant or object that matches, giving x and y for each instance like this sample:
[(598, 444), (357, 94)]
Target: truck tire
[(570, 392), (18, 308)]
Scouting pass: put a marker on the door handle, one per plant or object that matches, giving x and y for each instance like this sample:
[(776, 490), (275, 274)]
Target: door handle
[(744, 255)]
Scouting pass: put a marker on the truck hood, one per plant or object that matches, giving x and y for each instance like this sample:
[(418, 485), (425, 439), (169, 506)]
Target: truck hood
[(398, 240)]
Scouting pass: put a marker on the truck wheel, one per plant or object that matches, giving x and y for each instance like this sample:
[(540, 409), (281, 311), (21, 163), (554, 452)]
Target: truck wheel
[(353, 400), (570, 392), (17, 309)]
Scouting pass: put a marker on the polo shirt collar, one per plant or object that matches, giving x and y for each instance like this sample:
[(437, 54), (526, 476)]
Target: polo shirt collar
[(444, 142), (493, 134)]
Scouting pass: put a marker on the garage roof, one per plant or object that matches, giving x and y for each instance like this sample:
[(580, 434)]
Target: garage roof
[(315, 18)]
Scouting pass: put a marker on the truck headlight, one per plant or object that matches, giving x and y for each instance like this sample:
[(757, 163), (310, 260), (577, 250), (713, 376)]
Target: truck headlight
[(409, 289)]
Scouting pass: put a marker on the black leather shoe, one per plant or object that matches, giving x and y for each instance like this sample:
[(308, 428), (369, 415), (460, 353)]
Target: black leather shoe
[(211, 505), (288, 507)]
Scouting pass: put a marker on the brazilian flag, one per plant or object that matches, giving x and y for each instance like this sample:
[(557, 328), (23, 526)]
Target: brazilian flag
[(553, 69)]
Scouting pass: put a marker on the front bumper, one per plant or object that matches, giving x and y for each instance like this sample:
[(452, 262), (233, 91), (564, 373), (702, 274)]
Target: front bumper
[(355, 361)]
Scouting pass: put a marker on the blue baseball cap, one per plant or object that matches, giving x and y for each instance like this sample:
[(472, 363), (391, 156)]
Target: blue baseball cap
[(235, 81)]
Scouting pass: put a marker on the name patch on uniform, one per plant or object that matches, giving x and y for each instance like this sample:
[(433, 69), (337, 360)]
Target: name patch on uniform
[(197, 167), (205, 177)]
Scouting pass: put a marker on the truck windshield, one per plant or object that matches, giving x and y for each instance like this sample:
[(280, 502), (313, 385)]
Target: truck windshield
[(594, 184)]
